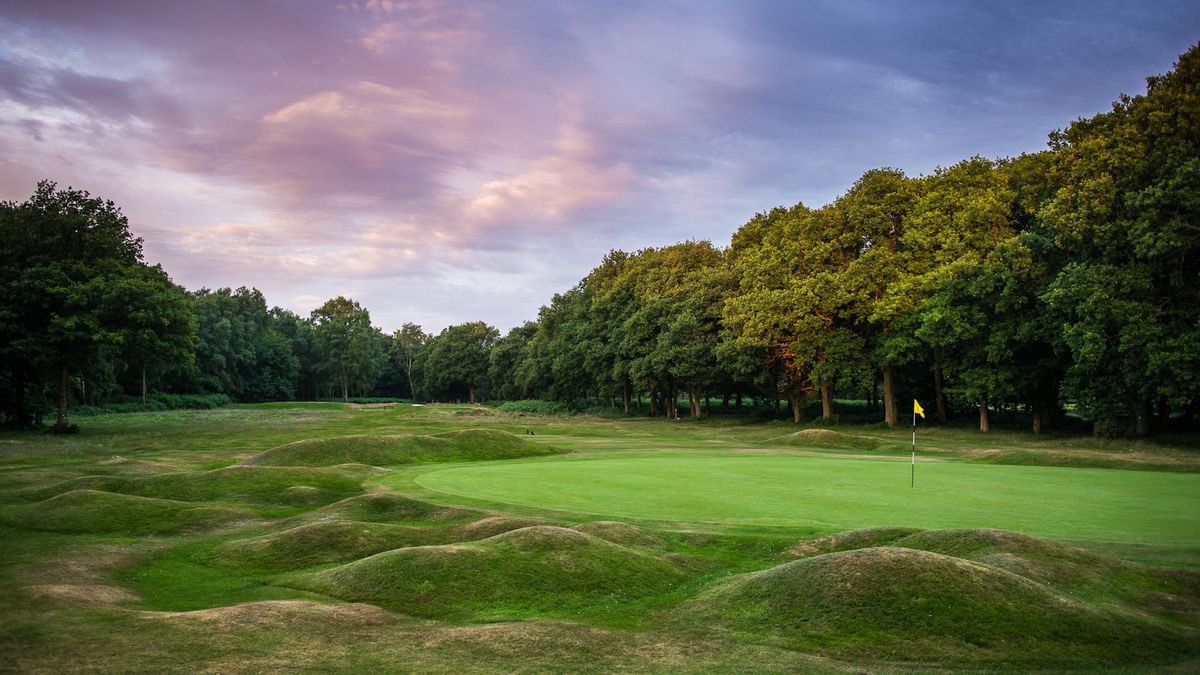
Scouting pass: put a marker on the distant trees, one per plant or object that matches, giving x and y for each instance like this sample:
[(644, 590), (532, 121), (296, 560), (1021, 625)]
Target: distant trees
[(350, 349), (76, 299), (456, 361), (1068, 278)]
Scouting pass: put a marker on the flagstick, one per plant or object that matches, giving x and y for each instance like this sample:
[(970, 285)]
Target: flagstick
[(913, 478)]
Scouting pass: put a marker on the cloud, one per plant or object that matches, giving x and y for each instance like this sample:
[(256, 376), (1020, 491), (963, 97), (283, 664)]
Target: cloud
[(552, 187), (458, 160)]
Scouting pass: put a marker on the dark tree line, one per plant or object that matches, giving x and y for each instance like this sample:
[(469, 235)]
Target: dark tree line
[(1066, 280)]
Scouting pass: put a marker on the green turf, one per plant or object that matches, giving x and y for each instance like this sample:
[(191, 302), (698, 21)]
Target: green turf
[(834, 494), (144, 544), (455, 446)]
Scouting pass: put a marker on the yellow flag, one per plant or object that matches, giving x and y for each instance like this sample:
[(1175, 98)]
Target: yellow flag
[(918, 409)]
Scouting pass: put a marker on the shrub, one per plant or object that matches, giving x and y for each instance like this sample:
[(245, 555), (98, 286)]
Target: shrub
[(535, 407)]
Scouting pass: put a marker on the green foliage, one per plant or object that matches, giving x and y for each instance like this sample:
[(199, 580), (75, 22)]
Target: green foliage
[(75, 295), (351, 351), (455, 363), (535, 407), (158, 401)]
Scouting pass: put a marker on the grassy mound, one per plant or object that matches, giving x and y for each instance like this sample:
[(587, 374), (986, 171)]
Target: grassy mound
[(848, 541), (620, 533), (921, 606), (1077, 572), (316, 543), (548, 570), (251, 484), (825, 438), (492, 526), (96, 512), (386, 507), (455, 446)]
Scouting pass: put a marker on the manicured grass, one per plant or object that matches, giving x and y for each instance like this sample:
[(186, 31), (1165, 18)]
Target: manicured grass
[(148, 543), (835, 494)]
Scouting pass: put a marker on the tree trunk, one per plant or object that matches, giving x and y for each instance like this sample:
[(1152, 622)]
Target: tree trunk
[(1037, 420), (826, 401), (797, 403), (471, 394), (1141, 414), (873, 401), (143, 385), (625, 395), (1164, 414), (737, 400), (983, 415), (412, 390), (62, 398), (938, 388), (889, 395)]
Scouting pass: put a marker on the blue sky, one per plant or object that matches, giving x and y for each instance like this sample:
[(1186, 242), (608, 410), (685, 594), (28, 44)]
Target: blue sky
[(446, 161)]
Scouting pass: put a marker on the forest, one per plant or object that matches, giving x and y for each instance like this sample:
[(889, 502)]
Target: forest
[(1064, 282)]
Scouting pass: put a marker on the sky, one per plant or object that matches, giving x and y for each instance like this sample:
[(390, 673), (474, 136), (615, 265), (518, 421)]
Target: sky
[(444, 161)]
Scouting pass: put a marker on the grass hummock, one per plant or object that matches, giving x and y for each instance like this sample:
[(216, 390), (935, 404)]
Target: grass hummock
[(553, 571), (454, 446)]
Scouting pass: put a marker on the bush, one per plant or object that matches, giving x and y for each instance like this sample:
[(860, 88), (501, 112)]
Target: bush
[(535, 407), (157, 402)]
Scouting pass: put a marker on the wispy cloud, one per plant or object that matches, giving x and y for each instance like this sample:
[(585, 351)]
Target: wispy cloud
[(448, 161)]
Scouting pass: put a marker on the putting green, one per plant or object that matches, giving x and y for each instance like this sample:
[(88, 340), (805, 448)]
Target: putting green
[(836, 494)]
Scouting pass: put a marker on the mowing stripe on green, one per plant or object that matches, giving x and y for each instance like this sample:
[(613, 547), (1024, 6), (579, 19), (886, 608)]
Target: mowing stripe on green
[(1103, 505)]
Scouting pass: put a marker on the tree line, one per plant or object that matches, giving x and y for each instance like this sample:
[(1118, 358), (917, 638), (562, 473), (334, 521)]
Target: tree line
[(1061, 281)]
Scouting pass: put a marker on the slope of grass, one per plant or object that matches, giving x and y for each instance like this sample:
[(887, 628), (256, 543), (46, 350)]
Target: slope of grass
[(322, 541), (387, 507), (825, 438), (924, 607), (454, 446), (296, 486), (219, 583), (552, 571), (95, 512), (1068, 569)]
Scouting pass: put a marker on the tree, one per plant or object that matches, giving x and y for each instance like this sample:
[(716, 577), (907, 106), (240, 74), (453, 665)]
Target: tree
[(62, 252), (347, 346), (159, 330), (506, 356), (406, 344), (1126, 213), (457, 360)]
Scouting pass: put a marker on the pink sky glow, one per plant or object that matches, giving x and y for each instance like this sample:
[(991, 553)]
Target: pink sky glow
[(449, 161)]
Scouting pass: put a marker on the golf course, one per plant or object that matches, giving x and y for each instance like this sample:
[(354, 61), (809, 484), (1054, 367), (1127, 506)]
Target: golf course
[(331, 536)]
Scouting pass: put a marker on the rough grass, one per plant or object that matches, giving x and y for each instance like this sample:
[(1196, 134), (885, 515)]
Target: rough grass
[(848, 541), (95, 512), (825, 438), (386, 507), (296, 486), (553, 571), (620, 533), (323, 541), (85, 575), (454, 446), (1067, 569), (877, 601)]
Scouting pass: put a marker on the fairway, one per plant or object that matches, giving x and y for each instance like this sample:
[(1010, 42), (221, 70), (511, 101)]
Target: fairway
[(834, 494)]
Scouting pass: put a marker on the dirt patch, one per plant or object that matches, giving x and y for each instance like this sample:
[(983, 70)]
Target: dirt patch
[(96, 594), (344, 615), (371, 406)]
